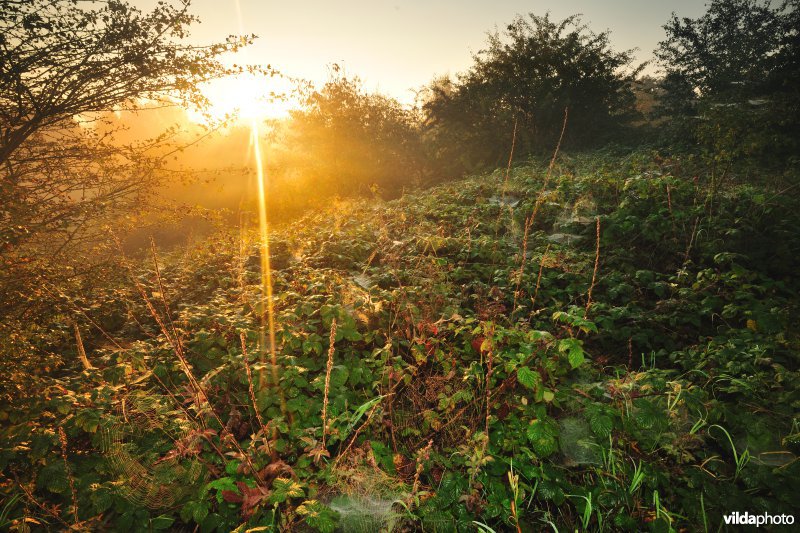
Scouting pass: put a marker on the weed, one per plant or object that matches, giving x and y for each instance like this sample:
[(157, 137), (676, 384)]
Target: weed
[(740, 460)]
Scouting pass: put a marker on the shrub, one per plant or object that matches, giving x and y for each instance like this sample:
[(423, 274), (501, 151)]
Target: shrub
[(529, 75), (345, 141), (732, 78)]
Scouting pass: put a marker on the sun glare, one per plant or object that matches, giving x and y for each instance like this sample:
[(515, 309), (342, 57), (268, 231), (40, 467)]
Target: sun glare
[(245, 96)]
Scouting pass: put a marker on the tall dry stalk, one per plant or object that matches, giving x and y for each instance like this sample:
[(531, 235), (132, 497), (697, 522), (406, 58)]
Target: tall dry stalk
[(504, 189), (112, 340), (81, 350), (252, 392), (168, 329), (423, 455), (630, 353), (266, 283), (328, 368), (510, 157), (170, 332), (532, 218), (691, 243), (596, 267), (671, 214), (489, 369), (539, 277), (48, 510), (521, 270), (62, 438), (179, 351)]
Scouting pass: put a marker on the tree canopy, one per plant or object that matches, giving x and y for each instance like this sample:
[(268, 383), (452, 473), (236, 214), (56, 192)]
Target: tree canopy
[(530, 74), (63, 175), (345, 140), (738, 67)]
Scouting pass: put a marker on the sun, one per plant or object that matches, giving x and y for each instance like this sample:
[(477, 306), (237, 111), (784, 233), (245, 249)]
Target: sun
[(246, 97)]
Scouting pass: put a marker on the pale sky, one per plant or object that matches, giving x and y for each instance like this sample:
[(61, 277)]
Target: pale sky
[(396, 46)]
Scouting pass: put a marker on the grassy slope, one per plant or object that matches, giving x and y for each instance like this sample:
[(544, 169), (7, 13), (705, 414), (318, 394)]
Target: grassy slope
[(633, 415)]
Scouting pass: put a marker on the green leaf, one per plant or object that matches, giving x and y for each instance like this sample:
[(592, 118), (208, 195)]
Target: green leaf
[(223, 483), (211, 522), (601, 424), (383, 455), (339, 375), (88, 420), (265, 398), (199, 511), (528, 378), (54, 478), (450, 489), (359, 413), (646, 414), (297, 405), (102, 499), (232, 467), (318, 515), (161, 522), (574, 350), (543, 437), (548, 490), (284, 489), (576, 357)]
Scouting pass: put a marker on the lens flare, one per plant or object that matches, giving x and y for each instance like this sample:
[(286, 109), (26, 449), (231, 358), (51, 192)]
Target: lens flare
[(267, 326), (266, 270)]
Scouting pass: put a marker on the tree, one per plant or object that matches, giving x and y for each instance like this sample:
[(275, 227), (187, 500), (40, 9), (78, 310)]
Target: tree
[(530, 74), (738, 68), (345, 141), (64, 178)]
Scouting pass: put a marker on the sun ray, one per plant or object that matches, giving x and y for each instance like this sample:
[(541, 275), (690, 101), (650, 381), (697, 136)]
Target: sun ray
[(249, 100)]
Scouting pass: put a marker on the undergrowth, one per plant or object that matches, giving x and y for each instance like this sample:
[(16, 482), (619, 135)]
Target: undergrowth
[(647, 380)]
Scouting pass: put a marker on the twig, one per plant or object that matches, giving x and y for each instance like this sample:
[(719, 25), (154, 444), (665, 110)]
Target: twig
[(539, 277), (691, 242), (532, 218), (29, 496), (671, 214), (510, 157), (596, 266), (489, 365), (630, 353)]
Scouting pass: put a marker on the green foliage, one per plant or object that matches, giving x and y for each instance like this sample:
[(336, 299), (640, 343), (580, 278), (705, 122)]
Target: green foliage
[(611, 417), (318, 516), (345, 142), (528, 76), (472, 382), (285, 489), (528, 378), (543, 437), (63, 185), (736, 67)]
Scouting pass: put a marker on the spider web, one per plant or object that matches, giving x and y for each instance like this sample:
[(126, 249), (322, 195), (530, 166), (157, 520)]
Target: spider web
[(366, 498), (139, 442)]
